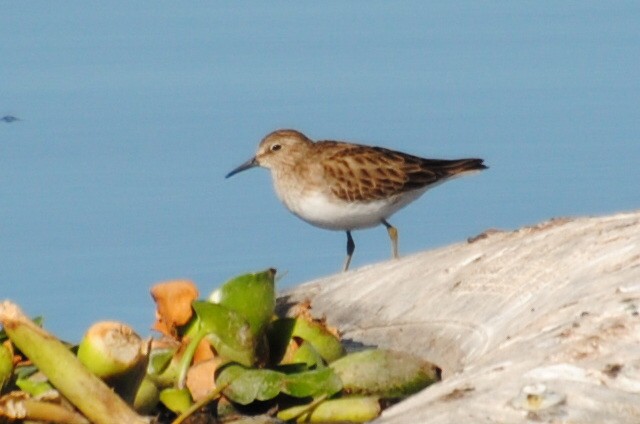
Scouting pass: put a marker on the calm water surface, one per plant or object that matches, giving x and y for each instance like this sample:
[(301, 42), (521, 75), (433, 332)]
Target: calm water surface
[(133, 113)]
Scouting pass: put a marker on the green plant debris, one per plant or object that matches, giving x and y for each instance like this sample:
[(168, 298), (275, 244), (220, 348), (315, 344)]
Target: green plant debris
[(250, 295), (230, 357), (6, 366), (347, 409), (246, 385), (384, 373), (177, 400)]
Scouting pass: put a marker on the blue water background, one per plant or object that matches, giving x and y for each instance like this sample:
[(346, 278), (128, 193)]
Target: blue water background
[(133, 112)]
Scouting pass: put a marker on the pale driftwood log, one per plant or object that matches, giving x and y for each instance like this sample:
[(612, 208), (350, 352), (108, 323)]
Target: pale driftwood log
[(540, 324)]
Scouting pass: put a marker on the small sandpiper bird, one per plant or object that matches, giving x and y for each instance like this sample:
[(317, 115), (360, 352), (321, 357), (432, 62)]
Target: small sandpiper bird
[(344, 186)]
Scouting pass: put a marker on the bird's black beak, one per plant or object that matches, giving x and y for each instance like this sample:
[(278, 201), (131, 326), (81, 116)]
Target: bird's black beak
[(251, 163)]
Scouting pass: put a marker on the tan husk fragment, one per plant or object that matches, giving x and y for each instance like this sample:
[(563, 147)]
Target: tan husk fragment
[(65, 372), (20, 406)]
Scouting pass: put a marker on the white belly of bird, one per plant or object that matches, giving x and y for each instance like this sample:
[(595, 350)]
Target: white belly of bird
[(325, 212)]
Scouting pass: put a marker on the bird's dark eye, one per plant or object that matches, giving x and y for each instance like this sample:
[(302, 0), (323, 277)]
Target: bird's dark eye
[(276, 147)]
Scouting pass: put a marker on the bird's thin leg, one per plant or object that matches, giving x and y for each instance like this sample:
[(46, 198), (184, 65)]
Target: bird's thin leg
[(351, 246), (393, 235)]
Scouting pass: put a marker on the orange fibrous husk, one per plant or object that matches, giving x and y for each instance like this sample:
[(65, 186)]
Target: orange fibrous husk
[(200, 378), (173, 304), (204, 352)]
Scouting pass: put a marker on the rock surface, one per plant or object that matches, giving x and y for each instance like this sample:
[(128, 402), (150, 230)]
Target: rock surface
[(542, 323)]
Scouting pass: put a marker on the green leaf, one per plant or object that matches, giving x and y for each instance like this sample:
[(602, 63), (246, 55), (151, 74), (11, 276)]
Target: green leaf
[(324, 341), (245, 385), (308, 355), (159, 360), (252, 296), (384, 373), (312, 383), (227, 331)]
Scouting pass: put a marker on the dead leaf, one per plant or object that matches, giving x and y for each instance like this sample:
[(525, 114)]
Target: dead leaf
[(204, 352), (200, 378), (173, 304)]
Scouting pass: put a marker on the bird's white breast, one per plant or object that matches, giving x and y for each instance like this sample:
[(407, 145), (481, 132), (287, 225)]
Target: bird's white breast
[(321, 210)]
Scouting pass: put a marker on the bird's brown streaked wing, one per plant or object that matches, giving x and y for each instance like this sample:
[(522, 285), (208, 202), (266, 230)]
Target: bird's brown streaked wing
[(362, 173)]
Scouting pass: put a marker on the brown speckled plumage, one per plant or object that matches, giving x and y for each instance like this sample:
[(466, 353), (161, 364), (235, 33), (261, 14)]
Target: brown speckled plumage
[(357, 173), (345, 186)]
